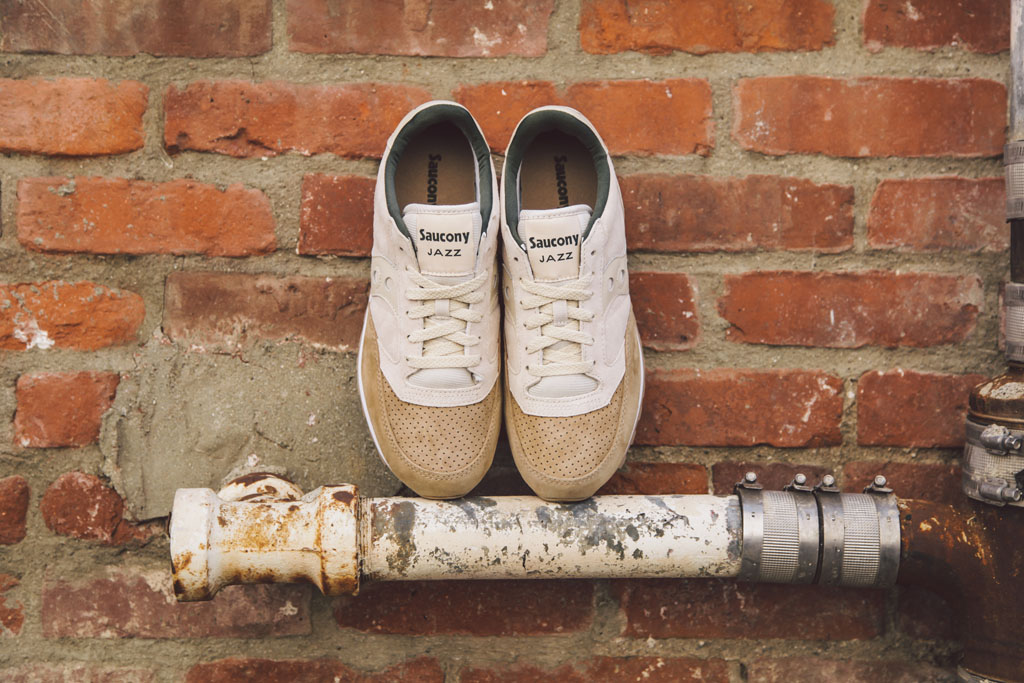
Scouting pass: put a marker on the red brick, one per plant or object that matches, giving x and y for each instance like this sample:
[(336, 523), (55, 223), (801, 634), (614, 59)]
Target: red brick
[(59, 409), (478, 608), (976, 25), (870, 117), (424, 669), (704, 26), (676, 112), (913, 409), (932, 214), (336, 216), (657, 479), (243, 119), (187, 28), (137, 602), (12, 612), (923, 615), (121, 216), (772, 475), (71, 116), (76, 673), (848, 310), (14, 495), (633, 668), (665, 305), (440, 29), (728, 407), (672, 213), (67, 315), (711, 608), (923, 481), (229, 310), (81, 506), (802, 670)]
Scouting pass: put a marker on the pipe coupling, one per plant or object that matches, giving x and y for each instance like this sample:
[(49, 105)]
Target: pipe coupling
[(1013, 163), (819, 535), (1013, 315), (993, 468)]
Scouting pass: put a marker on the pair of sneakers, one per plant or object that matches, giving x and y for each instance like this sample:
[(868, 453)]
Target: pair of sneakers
[(431, 353)]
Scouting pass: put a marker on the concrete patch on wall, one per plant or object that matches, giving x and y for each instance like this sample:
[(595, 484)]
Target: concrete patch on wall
[(186, 419)]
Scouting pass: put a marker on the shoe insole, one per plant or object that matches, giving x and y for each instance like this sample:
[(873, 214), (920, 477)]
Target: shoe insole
[(557, 171), (436, 167)]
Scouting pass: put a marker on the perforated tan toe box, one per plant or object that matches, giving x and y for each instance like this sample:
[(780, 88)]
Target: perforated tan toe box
[(437, 452), (569, 458)]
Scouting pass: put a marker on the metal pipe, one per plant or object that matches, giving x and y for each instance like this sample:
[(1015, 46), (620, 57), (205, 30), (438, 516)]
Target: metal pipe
[(333, 539)]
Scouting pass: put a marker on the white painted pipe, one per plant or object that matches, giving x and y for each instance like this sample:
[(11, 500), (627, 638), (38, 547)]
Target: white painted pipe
[(331, 538)]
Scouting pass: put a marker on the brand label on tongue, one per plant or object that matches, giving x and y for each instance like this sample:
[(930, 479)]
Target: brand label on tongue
[(445, 242), (553, 243)]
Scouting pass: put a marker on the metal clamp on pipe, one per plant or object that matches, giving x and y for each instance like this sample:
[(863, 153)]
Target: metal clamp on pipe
[(1013, 315), (819, 535), (1013, 163), (993, 463)]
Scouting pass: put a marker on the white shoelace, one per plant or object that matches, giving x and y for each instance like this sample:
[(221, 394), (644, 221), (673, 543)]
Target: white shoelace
[(445, 313), (558, 316)]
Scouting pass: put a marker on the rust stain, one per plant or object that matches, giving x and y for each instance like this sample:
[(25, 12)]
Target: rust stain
[(344, 497), (253, 477)]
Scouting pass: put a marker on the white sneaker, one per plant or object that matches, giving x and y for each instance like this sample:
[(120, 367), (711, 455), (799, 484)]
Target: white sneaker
[(429, 353), (574, 367)]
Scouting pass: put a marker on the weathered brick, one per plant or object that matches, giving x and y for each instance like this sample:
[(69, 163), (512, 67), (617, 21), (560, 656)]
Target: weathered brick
[(81, 506), (14, 495), (336, 216), (799, 670), (479, 608), (138, 602), (121, 216), (850, 309), (657, 479), (74, 672), (671, 213), (186, 28), (651, 669), (712, 608), (423, 669), (59, 409), (870, 117), (665, 305), (442, 29), (729, 407), (676, 112), (914, 409), (12, 612), (228, 310), (932, 214), (772, 475), (976, 25), (243, 119), (924, 481), (923, 615), (67, 315), (705, 26), (71, 116)]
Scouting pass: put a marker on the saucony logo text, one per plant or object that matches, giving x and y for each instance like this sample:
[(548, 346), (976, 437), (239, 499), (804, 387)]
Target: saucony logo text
[(432, 178), (456, 237), (548, 242), (563, 188)]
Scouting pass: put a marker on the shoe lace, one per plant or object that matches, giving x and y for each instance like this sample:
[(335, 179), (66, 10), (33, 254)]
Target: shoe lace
[(445, 311), (557, 316)]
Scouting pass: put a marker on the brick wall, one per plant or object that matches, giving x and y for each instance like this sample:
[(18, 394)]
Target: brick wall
[(815, 220)]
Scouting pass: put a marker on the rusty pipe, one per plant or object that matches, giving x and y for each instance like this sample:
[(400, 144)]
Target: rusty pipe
[(972, 556), (333, 538)]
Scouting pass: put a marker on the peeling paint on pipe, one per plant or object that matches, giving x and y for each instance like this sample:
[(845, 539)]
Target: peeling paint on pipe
[(526, 537)]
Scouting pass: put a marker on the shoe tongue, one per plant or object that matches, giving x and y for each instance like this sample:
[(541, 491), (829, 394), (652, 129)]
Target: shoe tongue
[(552, 239), (445, 237)]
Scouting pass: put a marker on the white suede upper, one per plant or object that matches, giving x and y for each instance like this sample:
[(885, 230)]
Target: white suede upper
[(603, 266), (393, 253)]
